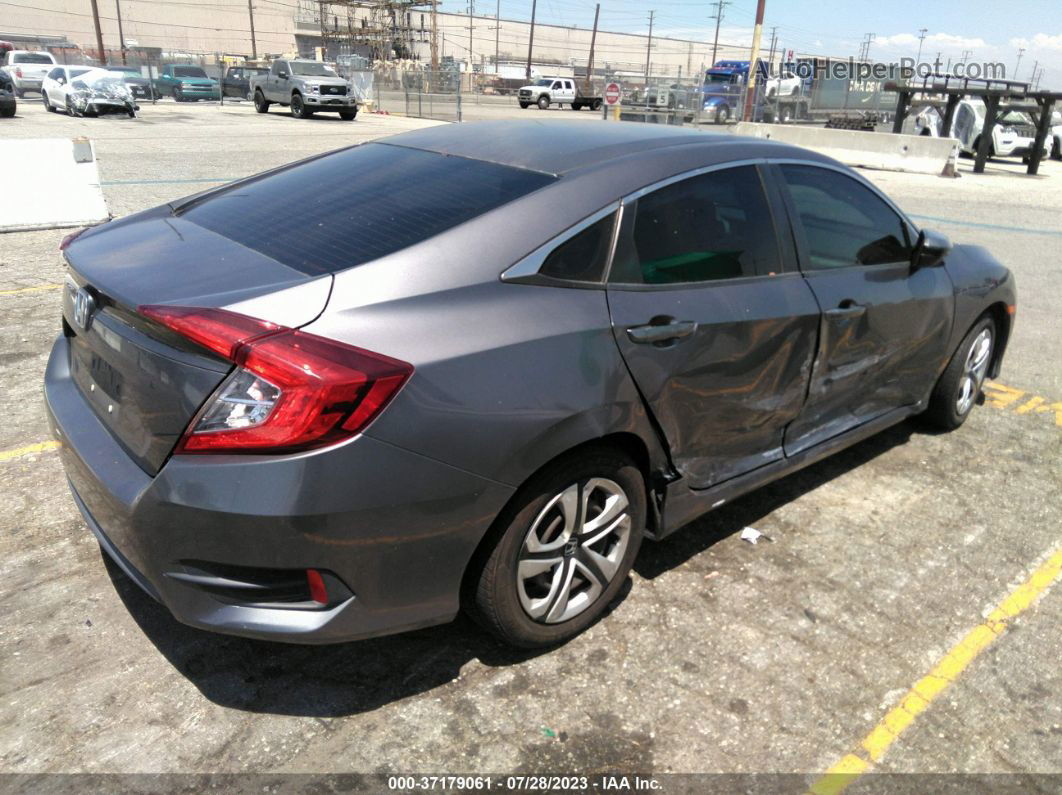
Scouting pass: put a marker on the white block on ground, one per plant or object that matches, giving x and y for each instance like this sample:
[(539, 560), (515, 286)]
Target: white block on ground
[(46, 187)]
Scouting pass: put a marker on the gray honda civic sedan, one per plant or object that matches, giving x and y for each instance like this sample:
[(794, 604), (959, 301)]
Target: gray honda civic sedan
[(475, 365)]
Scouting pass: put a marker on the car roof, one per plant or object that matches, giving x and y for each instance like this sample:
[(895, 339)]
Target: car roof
[(561, 147)]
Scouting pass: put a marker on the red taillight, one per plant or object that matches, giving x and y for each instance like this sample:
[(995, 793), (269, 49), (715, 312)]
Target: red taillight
[(217, 329), (18, 71), (64, 244), (290, 390), (316, 583)]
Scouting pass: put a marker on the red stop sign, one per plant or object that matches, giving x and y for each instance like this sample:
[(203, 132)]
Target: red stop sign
[(612, 93)]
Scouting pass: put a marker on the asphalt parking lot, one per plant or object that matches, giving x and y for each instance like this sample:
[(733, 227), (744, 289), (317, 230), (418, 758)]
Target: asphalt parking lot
[(786, 656)]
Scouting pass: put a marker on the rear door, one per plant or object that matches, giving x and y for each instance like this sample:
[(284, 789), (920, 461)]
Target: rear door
[(715, 324), (885, 328)]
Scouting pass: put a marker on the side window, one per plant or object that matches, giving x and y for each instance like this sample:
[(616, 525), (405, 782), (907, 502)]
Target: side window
[(707, 228), (844, 222), (556, 85), (581, 258), (55, 74)]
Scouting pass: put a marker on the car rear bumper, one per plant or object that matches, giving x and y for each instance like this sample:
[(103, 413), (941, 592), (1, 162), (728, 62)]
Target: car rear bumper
[(395, 528), (28, 83)]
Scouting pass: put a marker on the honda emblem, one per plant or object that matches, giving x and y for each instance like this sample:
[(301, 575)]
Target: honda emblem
[(84, 305)]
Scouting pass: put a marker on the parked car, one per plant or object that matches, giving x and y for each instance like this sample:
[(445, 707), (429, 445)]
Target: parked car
[(237, 80), (1056, 135), (57, 85), (8, 103), (186, 83), (140, 86), (562, 91), (27, 68), (87, 91), (308, 87), (384, 407), (1013, 135)]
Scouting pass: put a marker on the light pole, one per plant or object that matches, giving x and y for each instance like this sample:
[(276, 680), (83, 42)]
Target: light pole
[(921, 38)]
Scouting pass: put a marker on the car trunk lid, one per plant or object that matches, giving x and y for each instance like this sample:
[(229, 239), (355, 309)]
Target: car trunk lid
[(143, 381)]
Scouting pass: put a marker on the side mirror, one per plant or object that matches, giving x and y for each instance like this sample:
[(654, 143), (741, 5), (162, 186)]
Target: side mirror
[(930, 249), (282, 75)]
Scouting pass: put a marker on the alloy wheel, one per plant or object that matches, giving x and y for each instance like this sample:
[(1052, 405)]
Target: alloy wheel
[(573, 550), (974, 370)]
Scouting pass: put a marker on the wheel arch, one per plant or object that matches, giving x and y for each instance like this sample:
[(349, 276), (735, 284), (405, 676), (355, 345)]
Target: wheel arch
[(1003, 320), (626, 442)]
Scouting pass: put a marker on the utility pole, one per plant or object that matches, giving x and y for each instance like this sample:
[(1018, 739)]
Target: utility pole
[(921, 38), (531, 41), (1032, 77), (719, 6), (99, 32), (774, 41), (434, 38), (254, 43), (121, 36), (497, 35), (1021, 51), (864, 52), (471, 8), (965, 55), (750, 91), (593, 41), (649, 48)]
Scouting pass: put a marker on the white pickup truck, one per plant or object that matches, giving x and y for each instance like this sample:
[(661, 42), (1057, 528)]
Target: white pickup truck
[(548, 91), (27, 68), (308, 87)]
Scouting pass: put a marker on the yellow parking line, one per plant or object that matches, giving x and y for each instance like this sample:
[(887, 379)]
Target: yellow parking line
[(31, 289), (18, 452), (925, 690)]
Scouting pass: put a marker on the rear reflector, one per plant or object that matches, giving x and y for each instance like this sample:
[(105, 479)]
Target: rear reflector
[(290, 390), (318, 591)]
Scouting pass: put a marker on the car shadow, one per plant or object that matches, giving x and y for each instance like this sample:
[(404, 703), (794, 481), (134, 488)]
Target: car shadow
[(703, 533), (350, 678)]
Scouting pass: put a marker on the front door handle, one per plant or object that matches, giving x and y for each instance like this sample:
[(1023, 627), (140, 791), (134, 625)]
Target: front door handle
[(847, 309), (665, 332)]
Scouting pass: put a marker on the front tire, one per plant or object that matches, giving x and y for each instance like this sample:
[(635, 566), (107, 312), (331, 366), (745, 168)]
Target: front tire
[(348, 115), (722, 115), (525, 105), (567, 544), (543, 103), (48, 106), (298, 107), (960, 384)]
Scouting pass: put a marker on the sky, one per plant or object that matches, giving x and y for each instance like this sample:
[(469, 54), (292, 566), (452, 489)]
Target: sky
[(991, 31)]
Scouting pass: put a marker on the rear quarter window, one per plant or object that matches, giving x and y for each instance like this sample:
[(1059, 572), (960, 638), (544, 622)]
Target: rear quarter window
[(359, 204)]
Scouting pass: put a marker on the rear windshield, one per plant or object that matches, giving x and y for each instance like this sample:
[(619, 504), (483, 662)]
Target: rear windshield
[(359, 204), (31, 57)]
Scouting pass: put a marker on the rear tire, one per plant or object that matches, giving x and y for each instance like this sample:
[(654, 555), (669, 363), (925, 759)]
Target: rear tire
[(576, 106), (597, 104), (959, 386), (552, 572), (260, 103)]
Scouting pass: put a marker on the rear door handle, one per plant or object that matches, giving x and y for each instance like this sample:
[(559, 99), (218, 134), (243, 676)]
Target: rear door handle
[(847, 309), (675, 330)]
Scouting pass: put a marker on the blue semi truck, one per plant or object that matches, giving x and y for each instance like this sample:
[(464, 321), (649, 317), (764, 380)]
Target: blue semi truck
[(806, 88)]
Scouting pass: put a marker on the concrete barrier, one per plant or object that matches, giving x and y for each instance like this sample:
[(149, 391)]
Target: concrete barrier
[(50, 183), (921, 154)]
